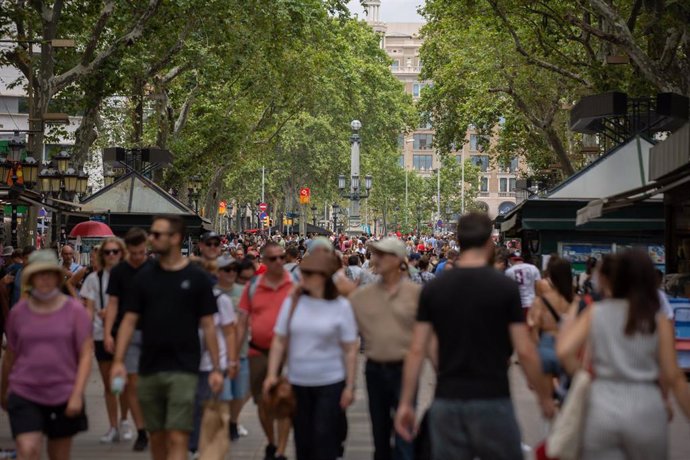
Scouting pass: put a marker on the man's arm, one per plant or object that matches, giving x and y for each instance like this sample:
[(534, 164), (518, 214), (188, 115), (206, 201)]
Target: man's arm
[(405, 416), (242, 327), (531, 366), (124, 336), (215, 378)]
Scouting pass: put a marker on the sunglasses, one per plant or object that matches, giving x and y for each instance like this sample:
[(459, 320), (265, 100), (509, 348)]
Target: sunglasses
[(109, 252), (274, 258), (213, 244), (227, 269), (157, 235)]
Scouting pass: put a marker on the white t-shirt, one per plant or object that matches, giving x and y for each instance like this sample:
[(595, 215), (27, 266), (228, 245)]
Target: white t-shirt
[(526, 276), (317, 331), (90, 290), (226, 315)]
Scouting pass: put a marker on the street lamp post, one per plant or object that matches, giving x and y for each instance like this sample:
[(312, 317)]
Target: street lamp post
[(336, 208), (313, 214), (194, 188), (355, 193)]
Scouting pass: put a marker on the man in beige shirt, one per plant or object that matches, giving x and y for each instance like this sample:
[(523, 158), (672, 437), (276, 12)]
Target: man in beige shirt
[(385, 313)]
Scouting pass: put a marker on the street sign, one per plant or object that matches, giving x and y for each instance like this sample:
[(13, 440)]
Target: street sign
[(355, 222), (304, 195), (439, 224), (263, 207), (263, 215)]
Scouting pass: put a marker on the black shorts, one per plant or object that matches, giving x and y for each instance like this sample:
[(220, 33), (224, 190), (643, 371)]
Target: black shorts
[(101, 354), (28, 417)]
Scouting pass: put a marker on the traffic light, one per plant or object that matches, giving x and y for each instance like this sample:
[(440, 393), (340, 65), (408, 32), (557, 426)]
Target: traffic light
[(267, 222)]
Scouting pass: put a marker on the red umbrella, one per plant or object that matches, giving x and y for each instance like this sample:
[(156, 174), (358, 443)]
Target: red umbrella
[(91, 229)]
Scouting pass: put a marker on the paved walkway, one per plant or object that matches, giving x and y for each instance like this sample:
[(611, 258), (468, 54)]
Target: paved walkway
[(359, 445)]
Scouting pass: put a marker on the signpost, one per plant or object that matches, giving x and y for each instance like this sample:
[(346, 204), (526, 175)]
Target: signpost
[(263, 207)]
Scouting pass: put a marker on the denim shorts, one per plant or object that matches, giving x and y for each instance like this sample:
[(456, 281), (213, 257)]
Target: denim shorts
[(239, 386), (547, 353)]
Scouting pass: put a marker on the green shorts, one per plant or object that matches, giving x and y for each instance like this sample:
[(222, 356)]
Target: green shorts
[(167, 400)]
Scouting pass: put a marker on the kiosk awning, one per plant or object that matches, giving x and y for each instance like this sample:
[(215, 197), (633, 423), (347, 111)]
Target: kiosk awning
[(650, 192)]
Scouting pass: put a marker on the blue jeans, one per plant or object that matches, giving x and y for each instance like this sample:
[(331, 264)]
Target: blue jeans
[(383, 386), (318, 422), (468, 429)]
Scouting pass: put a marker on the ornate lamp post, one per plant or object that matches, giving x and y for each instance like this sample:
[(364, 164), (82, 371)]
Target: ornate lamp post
[(313, 214), (355, 194), (194, 189), (336, 209)]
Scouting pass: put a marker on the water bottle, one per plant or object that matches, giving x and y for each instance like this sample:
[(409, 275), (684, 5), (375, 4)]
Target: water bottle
[(117, 385)]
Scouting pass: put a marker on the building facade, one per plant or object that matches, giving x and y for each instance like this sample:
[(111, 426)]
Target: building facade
[(402, 42), (14, 114)]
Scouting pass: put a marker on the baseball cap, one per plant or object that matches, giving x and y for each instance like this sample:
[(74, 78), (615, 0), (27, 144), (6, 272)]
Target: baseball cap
[(391, 245), (415, 256), (224, 261), (210, 236)]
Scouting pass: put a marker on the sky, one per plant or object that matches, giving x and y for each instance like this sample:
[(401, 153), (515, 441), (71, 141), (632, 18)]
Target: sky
[(392, 10)]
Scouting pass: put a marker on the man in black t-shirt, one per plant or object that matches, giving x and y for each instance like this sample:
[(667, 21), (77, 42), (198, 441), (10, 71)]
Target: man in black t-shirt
[(172, 299), (477, 317), (118, 289)]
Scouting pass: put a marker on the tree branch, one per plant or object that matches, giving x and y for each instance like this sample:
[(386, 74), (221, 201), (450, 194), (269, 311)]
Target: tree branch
[(106, 12), (182, 118), (624, 38), (634, 13), (81, 70), (172, 51), (539, 62), (670, 48)]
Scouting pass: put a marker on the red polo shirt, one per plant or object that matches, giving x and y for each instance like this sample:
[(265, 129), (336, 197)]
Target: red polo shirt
[(263, 309)]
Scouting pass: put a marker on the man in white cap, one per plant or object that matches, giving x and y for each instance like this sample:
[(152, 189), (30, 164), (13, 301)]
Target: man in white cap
[(385, 313)]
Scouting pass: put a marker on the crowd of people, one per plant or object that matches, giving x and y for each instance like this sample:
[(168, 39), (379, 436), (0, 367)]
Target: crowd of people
[(282, 320)]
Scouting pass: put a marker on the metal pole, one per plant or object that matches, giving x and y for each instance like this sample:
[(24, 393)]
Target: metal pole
[(263, 181), (462, 187), (438, 193), (355, 141), (406, 198), (13, 227)]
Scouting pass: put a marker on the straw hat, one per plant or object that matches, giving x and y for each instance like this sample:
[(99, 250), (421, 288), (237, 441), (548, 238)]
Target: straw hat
[(44, 260)]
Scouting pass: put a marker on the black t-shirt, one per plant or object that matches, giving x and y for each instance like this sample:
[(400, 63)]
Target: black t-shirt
[(170, 304), (471, 310), (120, 285)]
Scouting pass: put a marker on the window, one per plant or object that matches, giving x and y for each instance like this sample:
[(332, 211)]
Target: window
[(23, 105), (484, 184), (401, 142), (482, 161), (506, 185), (423, 141), (509, 167), (415, 89), (401, 161), (474, 142), (458, 159), (422, 162), (395, 65)]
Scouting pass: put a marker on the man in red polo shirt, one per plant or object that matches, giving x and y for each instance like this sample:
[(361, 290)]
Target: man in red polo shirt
[(261, 300)]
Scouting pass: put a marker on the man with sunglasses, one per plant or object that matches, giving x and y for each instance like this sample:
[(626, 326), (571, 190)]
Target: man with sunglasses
[(209, 246), (385, 311), (172, 299), (261, 301)]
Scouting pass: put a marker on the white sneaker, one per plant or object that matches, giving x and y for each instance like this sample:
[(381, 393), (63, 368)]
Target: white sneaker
[(242, 431), (126, 430), (111, 436)]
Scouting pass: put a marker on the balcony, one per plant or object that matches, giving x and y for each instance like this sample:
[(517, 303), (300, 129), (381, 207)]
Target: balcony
[(484, 194), (506, 194)]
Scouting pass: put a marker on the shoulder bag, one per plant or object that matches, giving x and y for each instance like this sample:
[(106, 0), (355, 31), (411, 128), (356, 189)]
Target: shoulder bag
[(281, 402), (565, 440)]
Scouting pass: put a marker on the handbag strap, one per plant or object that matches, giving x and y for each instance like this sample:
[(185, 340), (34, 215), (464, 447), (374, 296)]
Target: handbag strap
[(100, 288), (293, 307)]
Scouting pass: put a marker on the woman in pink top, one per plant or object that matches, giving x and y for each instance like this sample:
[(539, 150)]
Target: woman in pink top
[(48, 361)]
